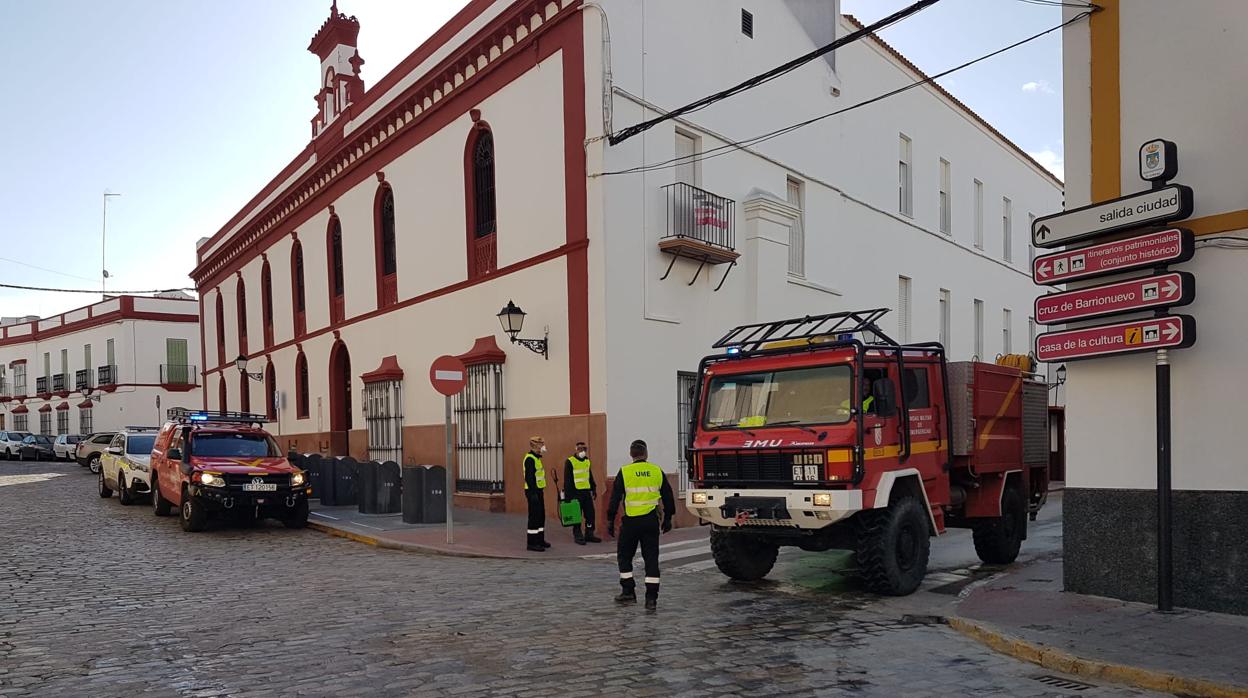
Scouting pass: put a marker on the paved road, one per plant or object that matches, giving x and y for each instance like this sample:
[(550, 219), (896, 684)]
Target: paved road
[(97, 599)]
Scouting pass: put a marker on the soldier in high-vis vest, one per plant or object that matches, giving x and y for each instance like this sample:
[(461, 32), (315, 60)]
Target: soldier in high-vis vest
[(534, 493), (579, 486), (641, 485)]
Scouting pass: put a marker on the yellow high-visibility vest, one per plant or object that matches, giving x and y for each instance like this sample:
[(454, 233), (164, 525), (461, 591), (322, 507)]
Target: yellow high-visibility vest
[(539, 473), (642, 484), (580, 473)]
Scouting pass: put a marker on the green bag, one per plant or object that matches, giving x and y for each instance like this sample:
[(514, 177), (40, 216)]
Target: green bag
[(570, 513)]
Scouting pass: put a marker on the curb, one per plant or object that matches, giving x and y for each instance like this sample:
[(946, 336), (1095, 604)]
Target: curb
[(404, 547), (1067, 663)]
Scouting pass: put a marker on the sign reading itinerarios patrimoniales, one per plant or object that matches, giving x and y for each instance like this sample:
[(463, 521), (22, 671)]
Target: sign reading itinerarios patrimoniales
[(1150, 292), (1158, 206), (1149, 250)]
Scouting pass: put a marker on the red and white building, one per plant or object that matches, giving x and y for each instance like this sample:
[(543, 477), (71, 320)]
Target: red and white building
[(473, 174)]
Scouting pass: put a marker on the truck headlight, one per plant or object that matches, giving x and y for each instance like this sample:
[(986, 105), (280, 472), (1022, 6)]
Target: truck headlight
[(823, 499), (698, 498), (297, 479), (211, 480)]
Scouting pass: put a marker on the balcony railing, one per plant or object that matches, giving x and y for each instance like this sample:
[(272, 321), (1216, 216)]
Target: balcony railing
[(4, 389), (106, 375), (58, 383), (82, 379), (698, 215), (41, 385), (178, 374)]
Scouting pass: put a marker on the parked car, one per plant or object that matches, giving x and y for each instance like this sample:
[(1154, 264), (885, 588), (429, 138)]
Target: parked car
[(11, 443), (212, 463), (91, 448), (35, 447), (125, 465), (65, 445)]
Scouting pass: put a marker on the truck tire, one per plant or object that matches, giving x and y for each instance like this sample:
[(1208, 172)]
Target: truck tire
[(297, 517), (998, 539), (160, 505), (892, 547), (742, 557), (105, 492), (124, 495), (194, 518)]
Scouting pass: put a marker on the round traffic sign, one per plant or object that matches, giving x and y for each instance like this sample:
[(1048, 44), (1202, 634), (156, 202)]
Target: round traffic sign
[(448, 375)]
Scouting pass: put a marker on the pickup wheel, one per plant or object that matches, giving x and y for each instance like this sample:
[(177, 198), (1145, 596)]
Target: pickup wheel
[(194, 517), (297, 517), (124, 495), (105, 492), (743, 557), (892, 547), (160, 505), (998, 539)]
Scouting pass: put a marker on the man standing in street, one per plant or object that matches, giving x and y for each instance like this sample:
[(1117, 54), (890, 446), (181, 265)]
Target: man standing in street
[(579, 486), (641, 485), (534, 493)]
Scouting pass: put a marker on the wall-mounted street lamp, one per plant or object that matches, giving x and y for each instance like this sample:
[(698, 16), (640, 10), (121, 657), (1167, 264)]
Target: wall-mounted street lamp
[(241, 364), (1061, 374), (512, 320)]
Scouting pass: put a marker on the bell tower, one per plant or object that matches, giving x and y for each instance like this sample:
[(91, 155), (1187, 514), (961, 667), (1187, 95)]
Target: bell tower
[(341, 85)]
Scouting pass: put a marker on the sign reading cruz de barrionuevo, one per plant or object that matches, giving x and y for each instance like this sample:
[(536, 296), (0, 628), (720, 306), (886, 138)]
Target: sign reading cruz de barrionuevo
[(1158, 206), (1167, 290)]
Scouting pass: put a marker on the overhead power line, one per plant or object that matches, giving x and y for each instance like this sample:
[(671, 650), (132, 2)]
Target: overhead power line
[(736, 145), (93, 290), (50, 271), (626, 133)]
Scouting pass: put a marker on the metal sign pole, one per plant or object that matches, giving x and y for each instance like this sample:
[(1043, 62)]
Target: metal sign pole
[(450, 502), (1165, 564)]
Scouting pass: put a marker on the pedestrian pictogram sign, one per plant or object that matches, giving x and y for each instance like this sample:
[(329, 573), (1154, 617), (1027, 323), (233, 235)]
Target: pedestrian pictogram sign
[(1147, 293), (448, 375), (1171, 246), (1157, 206), (1169, 332)]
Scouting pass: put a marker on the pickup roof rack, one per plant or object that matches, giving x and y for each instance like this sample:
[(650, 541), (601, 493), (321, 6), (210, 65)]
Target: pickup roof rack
[(749, 338), (183, 415)]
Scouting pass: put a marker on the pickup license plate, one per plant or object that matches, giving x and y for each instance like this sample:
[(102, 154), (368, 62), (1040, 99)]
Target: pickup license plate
[(260, 487)]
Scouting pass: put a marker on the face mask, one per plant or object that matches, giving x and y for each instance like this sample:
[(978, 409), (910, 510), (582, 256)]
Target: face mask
[(580, 454), (543, 449)]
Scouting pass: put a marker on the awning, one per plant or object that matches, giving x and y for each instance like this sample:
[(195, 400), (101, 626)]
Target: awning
[(20, 409), (85, 404), (63, 406), (45, 408)]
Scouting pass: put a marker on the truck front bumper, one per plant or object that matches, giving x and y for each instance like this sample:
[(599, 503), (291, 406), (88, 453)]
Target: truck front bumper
[(753, 508), (218, 498)]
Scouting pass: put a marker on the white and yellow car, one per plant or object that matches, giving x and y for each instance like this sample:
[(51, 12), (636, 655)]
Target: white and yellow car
[(125, 465)]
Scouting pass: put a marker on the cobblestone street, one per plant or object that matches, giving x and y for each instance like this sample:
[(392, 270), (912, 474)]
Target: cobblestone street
[(97, 599)]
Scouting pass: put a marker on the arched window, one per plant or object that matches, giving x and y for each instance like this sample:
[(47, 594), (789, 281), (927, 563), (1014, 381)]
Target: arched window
[(266, 303), (270, 391), (244, 393), (241, 298), (297, 290), (482, 206), (337, 278), (384, 241), (220, 328), (301, 387), (221, 396)]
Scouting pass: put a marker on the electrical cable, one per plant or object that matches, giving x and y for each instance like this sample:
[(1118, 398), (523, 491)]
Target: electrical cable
[(736, 145), (45, 269), (626, 133), (93, 290), (1223, 242)]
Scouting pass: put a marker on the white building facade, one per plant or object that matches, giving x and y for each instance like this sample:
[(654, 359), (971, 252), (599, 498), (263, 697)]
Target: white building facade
[(119, 362), (1129, 79), (478, 172)]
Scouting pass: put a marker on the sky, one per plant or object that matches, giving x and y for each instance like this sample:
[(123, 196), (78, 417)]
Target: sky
[(187, 108)]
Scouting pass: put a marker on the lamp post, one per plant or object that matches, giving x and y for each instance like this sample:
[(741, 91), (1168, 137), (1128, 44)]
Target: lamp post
[(241, 364), (511, 317)]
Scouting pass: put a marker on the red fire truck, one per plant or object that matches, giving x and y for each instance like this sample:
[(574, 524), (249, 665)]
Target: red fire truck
[(823, 433)]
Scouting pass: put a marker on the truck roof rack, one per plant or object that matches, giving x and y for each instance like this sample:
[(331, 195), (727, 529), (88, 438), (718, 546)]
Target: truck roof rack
[(748, 338), (183, 415)]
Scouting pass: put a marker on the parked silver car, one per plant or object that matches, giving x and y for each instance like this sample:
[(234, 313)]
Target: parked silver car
[(11, 444), (65, 445)]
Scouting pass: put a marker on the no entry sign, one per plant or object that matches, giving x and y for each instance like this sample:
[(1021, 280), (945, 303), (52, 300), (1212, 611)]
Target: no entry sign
[(1171, 246), (1160, 291), (1170, 203), (1170, 332), (447, 374)]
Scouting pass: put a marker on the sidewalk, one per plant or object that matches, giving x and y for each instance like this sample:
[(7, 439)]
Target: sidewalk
[(476, 534), (1024, 613)]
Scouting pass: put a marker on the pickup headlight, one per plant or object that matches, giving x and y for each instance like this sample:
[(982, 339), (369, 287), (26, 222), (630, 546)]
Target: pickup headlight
[(698, 498), (211, 480), (823, 499), (297, 479)]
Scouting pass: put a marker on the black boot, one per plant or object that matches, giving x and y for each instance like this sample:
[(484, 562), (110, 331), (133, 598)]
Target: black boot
[(590, 537), (535, 544), (652, 604), (541, 540), (626, 596), (577, 536)]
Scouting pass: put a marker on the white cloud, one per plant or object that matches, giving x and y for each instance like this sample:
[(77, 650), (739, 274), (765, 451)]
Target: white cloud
[(1051, 161), (1041, 86)]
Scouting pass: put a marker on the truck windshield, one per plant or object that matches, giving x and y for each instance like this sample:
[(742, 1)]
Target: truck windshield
[(233, 446), (815, 395)]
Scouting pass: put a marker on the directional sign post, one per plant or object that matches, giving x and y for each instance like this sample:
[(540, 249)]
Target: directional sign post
[(1169, 332), (1158, 206), (1149, 250), (448, 376), (1150, 292)]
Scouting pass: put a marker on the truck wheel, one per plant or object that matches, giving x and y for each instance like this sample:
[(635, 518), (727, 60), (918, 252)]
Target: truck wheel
[(105, 492), (297, 517), (892, 547), (194, 517), (742, 557), (998, 539), (124, 495), (160, 505)]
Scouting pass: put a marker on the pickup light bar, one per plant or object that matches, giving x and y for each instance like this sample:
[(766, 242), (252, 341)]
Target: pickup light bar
[(183, 415)]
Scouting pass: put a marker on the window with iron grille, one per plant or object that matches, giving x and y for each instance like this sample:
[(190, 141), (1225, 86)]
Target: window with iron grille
[(266, 303), (335, 256), (19, 379), (220, 307), (389, 257), (483, 199), (479, 426), (686, 383), (45, 423), (301, 386), (19, 422), (62, 421), (86, 421), (383, 415), (241, 311)]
